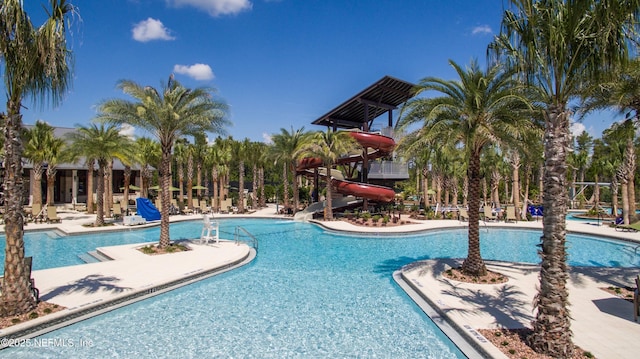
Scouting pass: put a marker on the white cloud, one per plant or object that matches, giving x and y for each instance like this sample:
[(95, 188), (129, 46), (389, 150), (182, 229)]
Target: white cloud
[(200, 72), (577, 128), (127, 130), (266, 138), (150, 29), (215, 7), (482, 29)]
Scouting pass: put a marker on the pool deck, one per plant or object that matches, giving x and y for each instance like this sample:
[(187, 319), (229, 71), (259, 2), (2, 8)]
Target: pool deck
[(602, 323)]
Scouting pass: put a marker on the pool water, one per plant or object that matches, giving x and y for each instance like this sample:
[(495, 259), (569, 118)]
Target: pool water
[(308, 293)]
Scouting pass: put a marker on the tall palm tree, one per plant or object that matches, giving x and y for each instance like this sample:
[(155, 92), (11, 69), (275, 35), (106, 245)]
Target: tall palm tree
[(478, 110), (36, 66), (56, 153), (180, 157), (171, 113), (284, 147), (190, 151), (240, 150), (559, 46), (328, 146), (35, 151), (148, 153), (102, 143)]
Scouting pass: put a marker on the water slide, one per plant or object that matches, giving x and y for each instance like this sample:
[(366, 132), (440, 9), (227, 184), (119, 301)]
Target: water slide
[(377, 146)]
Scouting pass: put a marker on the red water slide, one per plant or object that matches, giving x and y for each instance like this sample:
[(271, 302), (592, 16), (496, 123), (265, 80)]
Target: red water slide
[(382, 146)]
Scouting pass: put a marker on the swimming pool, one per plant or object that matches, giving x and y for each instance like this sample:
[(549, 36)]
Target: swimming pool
[(309, 293)]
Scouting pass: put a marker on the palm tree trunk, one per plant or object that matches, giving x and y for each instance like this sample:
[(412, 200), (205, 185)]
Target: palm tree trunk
[(263, 200), (181, 182), (473, 264), (285, 180), (36, 186), (516, 185), (241, 186), (89, 191), (16, 296), (51, 181), (328, 204), (127, 182), (165, 196), (296, 191), (214, 176), (100, 196), (552, 326)]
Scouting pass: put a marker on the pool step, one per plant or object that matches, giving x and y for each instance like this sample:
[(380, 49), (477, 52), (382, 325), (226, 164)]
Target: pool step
[(93, 257)]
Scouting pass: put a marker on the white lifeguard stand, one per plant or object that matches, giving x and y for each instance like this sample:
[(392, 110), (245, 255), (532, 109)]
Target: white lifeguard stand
[(210, 230)]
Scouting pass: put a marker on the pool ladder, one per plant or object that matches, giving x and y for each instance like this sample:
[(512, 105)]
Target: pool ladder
[(241, 235)]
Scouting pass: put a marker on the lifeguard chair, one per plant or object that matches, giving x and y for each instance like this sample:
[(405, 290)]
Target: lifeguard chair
[(210, 230)]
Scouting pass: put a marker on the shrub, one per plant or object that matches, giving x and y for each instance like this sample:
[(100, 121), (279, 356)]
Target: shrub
[(33, 315)]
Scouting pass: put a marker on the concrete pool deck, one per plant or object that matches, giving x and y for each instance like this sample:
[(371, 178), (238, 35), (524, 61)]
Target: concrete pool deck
[(602, 323)]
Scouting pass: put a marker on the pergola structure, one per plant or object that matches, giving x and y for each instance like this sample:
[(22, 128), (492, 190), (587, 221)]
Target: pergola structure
[(385, 95)]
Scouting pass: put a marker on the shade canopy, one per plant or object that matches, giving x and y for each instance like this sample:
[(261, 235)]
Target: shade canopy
[(171, 188)]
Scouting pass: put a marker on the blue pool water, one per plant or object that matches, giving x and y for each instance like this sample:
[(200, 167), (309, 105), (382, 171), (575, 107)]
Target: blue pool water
[(309, 293)]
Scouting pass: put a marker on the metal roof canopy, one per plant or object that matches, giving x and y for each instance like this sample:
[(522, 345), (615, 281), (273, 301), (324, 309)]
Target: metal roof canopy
[(359, 111)]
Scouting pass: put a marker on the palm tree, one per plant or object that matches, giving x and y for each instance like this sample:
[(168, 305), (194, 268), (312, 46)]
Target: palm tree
[(476, 111), (180, 157), (284, 147), (559, 46), (35, 151), (102, 144), (56, 153), (148, 153), (239, 150), (37, 66), (169, 114), (328, 147), (190, 153)]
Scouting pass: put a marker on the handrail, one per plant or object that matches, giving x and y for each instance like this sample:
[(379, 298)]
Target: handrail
[(253, 241)]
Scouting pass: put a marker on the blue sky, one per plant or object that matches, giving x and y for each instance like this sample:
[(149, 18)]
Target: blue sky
[(277, 63)]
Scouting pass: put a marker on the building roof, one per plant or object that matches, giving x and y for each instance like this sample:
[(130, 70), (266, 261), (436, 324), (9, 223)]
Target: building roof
[(384, 95)]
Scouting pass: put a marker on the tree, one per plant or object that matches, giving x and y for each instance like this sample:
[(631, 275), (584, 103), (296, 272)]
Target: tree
[(180, 157), (328, 147), (476, 111), (56, 153), (36, 66), (558, 46), (169, 114), (102, 144), (148, 153), (283, 150), (35, 151)]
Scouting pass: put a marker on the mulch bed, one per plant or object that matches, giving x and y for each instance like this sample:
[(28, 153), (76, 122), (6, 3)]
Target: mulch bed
[(512, 342), (43, 308), (156, 250), (490, 278)]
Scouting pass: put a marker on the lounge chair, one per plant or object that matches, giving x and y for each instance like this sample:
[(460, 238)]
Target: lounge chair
[(511, 214), (209, 226), (37, 213), (488, 214), (116, 211), (183, 209), (463, 216), (52, 215), (195, 205), (203, 207), (633, 227)]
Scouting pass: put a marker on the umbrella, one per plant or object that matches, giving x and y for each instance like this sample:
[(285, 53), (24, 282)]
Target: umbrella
[(131, 187), (198, 187), (430, 191), (171, 188)]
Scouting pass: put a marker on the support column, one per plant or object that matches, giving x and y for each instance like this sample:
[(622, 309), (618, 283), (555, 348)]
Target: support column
[(74, 188)]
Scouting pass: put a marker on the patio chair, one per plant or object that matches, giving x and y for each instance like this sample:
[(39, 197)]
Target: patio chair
[(195, 205), (488, 214), (117, 211), (633, 227), (183, 209), (37, 213), (511, 214), (204, 208), (463, 215), (52, 215)]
